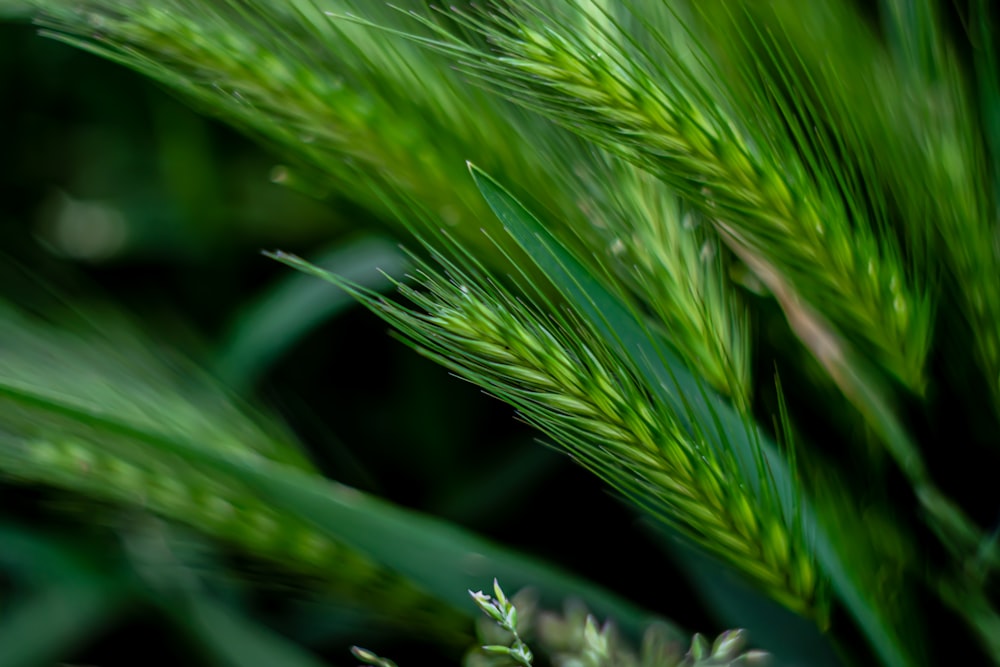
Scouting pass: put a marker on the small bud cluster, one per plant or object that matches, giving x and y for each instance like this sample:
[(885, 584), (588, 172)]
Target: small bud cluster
[(503, 611)]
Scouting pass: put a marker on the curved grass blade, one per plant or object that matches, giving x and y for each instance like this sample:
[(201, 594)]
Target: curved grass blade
[(101, 362), (442, 559)]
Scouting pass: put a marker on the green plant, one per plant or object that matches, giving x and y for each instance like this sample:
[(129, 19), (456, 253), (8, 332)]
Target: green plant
[(736, 259), (574, 638)]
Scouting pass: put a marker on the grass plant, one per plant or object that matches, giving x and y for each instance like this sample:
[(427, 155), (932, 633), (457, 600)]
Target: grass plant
[(738, 260)]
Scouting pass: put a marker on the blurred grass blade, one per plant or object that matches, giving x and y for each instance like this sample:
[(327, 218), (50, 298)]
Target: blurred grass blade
[(66, 599), (172, 567), (100, 362), (101, 430), (47, 626), (672, 382), (871, 397), (348, 107), (987, 62), (15, 9), (235, 641), (30, 556), (52, 621), (440, 558), (288, 311)]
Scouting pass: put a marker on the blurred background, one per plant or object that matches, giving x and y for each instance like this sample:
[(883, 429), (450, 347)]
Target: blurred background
[(113, 192)]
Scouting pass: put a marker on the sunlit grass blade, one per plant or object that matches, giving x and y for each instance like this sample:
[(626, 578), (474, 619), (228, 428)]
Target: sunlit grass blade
[(553, 377), (597, 414), (743, 173)]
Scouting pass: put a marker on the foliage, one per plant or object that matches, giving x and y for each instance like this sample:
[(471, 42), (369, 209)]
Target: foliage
[(738, 260)]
